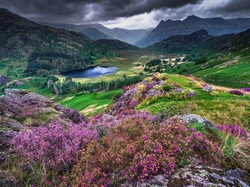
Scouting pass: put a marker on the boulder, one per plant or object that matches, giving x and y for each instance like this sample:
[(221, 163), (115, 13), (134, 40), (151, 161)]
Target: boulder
[(197, 176), (207, 89), (194, 118)]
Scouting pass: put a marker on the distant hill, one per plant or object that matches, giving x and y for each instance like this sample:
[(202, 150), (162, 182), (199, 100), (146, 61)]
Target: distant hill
[(202, 42), (45, 48), (214, 26), (117, 45), (95, 34), (129, 36)]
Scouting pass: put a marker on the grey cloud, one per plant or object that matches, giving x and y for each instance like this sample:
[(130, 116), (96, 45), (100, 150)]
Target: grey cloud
[(90, 10), (235, 6)]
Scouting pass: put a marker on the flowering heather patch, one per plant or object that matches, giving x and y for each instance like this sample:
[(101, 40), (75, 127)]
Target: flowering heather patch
[(133, 104), (75, 116), (246, 89), (189, 75), (137, 150), (205, 85), (149, 86), (236, 92), (26, 112), (234, 130), (53, 145), (3, 79)]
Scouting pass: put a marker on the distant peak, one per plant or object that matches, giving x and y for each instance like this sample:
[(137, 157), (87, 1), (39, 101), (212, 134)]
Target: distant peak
[(4, 10), (192, 17), (203, 31)]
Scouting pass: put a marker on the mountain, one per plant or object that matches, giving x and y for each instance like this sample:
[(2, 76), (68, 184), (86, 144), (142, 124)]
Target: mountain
[(182, 43), (129, 36), (202, 42), (20, 37), (95, 34), (214, 26), (116, 45)]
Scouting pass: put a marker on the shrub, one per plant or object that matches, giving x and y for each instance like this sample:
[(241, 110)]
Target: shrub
[(133, 104), (138, 150), (167, 87), (236, 92), (53, 145), (234, 130), (246, 89)]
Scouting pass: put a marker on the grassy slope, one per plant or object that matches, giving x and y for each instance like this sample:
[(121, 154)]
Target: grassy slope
[(218, 106), (88, 103), (231, 69)]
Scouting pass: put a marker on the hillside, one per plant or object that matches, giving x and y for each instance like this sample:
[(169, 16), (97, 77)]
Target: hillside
[(221, 60), (155, 133), (116, 44), (95, 34), (23, 40), (128, 36), (214, 26), (204, 43)]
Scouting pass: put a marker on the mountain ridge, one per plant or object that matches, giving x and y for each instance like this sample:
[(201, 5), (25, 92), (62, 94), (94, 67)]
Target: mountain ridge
[(125, 35), (215, 26)]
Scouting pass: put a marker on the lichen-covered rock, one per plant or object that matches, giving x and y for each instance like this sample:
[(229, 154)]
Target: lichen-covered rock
[(5, 142), (3, 79), (197, 176), (194, 118), (20, 104), (207, 89), (7, 180), (19, 107)]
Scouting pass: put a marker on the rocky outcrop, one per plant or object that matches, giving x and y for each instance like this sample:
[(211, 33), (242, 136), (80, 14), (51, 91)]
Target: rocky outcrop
[(194, 118), (197, 176), (19, 107)]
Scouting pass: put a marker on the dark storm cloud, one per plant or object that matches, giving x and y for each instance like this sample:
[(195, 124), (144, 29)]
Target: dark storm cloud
[(233, 6), (88, 10)]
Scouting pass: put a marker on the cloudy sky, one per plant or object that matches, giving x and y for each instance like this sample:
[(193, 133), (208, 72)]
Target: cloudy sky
[(131, 14)]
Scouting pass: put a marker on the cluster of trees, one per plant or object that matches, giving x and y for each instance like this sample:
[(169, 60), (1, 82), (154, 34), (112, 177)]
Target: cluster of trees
[(48, 63), (154, 62), (70, 86)]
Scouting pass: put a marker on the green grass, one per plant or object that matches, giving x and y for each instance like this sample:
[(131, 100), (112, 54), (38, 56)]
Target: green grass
[(218, 106), (95, 101)]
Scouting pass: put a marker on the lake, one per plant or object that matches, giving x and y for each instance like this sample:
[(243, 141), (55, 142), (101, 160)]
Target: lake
[(91, 72)]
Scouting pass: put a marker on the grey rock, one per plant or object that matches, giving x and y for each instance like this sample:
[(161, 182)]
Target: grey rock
[(7, 180), (207, 89), (191, 93), (194, 118), (193, 176), (5, 142), (178, 90)]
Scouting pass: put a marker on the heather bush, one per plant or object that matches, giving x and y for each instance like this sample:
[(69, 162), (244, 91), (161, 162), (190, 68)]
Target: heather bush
[(53, 145), (75, 116), (137, 150), (234, 130), (133, 104), (246, 89), (236, 92)]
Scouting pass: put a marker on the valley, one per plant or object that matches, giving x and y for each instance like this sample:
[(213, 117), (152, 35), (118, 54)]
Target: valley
[(83, 105)]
